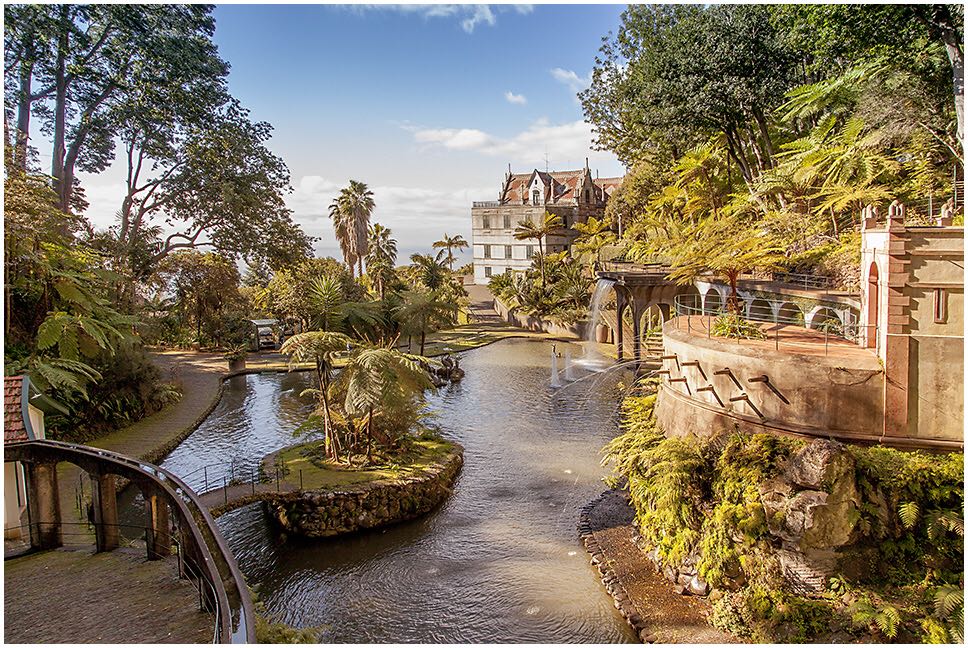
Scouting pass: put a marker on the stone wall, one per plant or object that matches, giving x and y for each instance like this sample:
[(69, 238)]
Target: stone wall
[(531, 323), (804, 395), (318, 514)]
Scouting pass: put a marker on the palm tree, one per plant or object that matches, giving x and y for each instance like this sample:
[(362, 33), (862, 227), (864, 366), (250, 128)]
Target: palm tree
[(352, 209), (550, 224), (451, 243), (325, 299), (431, 269), (319, 347), (421, 310), (381, 256), (378, 377), (343, 231), (593, 236)]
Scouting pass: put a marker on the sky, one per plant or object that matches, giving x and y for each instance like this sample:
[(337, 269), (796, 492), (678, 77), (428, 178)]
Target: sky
[(426, 104)]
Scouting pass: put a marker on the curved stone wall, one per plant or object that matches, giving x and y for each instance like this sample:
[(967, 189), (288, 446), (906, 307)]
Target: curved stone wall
[(318, 514), (809, 395)]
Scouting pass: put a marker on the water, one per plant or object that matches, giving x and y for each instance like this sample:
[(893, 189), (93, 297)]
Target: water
[(500, 561), (595, 308)]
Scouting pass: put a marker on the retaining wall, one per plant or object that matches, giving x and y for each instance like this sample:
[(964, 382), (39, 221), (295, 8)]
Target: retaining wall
[(318, 514), (806, 395), (531, 323)]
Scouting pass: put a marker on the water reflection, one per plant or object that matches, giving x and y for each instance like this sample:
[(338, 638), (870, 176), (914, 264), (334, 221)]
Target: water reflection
[(499, 561)]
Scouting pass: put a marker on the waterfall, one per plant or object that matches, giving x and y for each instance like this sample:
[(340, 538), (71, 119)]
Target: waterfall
[(595, 307)]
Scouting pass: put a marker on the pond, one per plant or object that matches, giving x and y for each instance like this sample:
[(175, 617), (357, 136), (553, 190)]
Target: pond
[(500, 561)]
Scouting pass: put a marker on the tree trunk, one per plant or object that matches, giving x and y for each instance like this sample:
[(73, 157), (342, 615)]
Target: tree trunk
[(60, 108), (323, 374), (369, 436), (541, 265), (423, 334), (733, 301), (23, 115)]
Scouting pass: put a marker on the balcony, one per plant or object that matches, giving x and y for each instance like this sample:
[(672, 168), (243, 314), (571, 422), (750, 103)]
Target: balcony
[(486, 203)]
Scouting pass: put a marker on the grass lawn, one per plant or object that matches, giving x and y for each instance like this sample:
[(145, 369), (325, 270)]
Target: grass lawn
[(319, 474)]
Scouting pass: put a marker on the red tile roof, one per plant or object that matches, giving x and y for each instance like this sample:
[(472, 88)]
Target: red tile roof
[(609, 185), (559, 187), (13, 420)]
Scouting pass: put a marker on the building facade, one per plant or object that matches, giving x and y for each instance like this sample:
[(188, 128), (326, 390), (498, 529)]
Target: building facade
[(572, 195), (913, 317)]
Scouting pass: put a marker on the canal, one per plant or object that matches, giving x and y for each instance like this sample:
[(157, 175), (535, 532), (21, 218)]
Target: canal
[(500, 561)]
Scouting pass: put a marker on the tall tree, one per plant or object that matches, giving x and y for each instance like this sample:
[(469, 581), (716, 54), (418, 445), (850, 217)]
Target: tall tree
[(350, 212), (381, 257), (529, 230), (451, 243)]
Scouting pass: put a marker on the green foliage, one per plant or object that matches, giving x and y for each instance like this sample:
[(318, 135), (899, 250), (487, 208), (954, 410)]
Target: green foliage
[(701, 498), (731, 325), (563, 299)]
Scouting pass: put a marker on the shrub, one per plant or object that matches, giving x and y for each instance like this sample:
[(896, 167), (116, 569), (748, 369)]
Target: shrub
[(730, 325)]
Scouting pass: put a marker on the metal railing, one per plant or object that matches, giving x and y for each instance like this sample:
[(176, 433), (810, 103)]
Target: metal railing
[(809, 281), (486, 203), (834, 331), (203, 553), (220, 476)]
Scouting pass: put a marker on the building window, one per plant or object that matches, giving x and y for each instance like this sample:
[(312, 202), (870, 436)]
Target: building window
[(507, 251), (535, 197), (508, 271), (486, 222), (529, 251), (588, 197), (940, 305), (507, 221), (487, 252), (487, 271)]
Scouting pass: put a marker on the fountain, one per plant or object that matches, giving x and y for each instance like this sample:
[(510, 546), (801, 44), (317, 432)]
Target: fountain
[(555, 381), (569, 375), (592, 356)]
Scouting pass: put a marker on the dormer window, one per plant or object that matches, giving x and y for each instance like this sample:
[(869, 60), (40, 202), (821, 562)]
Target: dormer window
[(535, 197)]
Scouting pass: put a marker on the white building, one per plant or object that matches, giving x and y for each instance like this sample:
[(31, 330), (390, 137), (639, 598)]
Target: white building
[(572, 195)]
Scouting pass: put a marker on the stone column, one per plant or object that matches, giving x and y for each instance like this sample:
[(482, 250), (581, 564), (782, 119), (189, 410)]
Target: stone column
[(897, 339), (43, 505), (636, 333), (619, 312), (157, 529), (105, 501)]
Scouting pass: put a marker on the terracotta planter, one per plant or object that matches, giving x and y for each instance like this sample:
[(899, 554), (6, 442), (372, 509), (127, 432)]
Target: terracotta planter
[(601, 333), (237, 365)]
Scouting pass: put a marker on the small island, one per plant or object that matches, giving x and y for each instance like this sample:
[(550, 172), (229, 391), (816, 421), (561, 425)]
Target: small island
[(337, 499)]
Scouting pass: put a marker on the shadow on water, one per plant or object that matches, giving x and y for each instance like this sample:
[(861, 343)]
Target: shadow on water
[(500, 561)]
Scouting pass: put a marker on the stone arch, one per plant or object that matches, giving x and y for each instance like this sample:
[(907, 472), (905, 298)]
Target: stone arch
[(651, 319), (825, 318), (873, 305), (713, 302), (759, 309), (690, 298), (790, 313)]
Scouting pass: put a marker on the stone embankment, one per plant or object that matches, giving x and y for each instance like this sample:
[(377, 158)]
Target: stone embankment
[(656, 613), (322, 513)]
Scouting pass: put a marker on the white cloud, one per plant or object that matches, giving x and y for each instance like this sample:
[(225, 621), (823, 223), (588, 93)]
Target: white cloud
[(563, 144), (470, 15), (571, 79), (519, 99)]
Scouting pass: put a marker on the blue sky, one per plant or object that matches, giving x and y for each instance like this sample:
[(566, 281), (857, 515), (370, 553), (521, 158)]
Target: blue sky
[(426, 104)]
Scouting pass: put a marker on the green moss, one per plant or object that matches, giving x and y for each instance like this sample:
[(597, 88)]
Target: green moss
[(694, 496)]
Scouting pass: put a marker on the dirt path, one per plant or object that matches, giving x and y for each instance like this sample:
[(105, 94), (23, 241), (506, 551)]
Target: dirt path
[(654, 610)]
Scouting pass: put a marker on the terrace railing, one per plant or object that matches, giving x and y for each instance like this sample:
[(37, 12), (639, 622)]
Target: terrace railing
[(833, 329)]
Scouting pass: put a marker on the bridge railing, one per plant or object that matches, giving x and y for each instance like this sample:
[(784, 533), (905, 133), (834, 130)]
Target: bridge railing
[(203, 556)]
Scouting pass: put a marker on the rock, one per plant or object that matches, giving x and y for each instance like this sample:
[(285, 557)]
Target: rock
[(671, 574), (698, 587), (818, 465)]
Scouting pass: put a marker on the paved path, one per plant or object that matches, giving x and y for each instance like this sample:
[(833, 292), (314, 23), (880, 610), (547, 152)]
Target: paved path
[(482, 305), (68, 596), (669, 617), (200, 377)]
